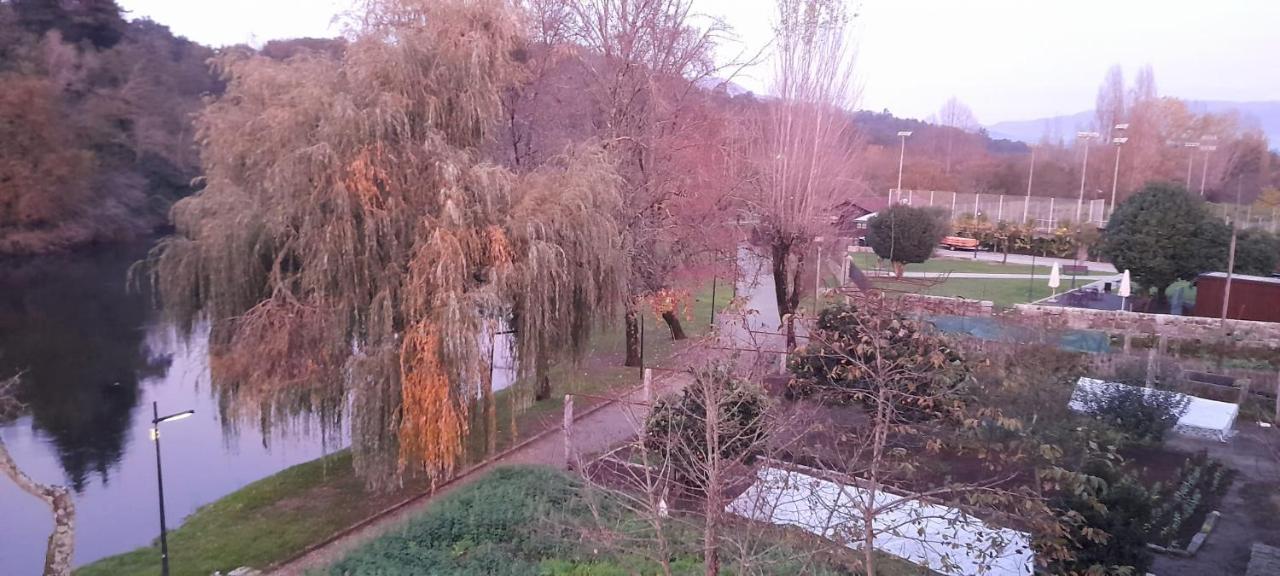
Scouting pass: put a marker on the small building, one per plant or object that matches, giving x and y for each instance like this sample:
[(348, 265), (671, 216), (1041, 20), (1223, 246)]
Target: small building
[(1252, 297), (852, 215)]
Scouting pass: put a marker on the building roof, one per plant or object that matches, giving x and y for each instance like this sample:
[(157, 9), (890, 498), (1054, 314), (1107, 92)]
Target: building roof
[(1243, 278)]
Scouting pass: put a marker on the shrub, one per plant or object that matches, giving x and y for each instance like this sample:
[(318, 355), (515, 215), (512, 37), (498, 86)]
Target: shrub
[(677, 425), (854, 350), (1107, 514), (1178, 505), (495, 526), (904, 234), (1142, 414)]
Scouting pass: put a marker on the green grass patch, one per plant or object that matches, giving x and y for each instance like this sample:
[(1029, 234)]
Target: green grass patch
[(531, 520), (868, 261), (1002, 293), (264, 522)]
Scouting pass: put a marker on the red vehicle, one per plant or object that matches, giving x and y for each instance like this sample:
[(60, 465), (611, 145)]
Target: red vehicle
[(959, 243)]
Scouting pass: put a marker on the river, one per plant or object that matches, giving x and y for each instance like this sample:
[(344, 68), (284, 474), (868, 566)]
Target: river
[(94, 356)]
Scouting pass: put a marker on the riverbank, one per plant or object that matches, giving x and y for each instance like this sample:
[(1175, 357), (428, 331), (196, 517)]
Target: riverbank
[(274, 519)]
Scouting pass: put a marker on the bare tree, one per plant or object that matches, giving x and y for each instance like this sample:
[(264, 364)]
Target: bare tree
[(647, 61), (957, 116), (1110, 107), (58, 553), (803, 152)]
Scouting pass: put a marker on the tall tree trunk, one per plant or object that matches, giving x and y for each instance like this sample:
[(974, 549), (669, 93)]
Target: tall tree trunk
[(786, 287), (712, 508), (543, 389), (673, 322), (633, 336), (490, 415), (58, 553)]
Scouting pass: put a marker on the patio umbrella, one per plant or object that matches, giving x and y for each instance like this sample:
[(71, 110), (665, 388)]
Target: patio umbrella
[(1055, 278), (1125, 289)]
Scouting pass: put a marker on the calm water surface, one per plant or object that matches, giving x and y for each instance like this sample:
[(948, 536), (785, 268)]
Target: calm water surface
[(94, 357)]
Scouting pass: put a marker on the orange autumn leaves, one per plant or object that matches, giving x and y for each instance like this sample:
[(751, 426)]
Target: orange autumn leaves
[(434, 422)]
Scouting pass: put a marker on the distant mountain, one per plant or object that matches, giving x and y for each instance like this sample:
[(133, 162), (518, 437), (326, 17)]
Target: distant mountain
[(1264, 115)]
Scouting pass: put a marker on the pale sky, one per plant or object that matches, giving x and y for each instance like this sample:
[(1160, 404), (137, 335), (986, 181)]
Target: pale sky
[(1006, 59)]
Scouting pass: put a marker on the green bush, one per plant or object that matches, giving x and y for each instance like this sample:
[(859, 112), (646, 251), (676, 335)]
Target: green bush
[(854, 350), (504, 523), (677, 426), (1143, 415), (1115, 504)]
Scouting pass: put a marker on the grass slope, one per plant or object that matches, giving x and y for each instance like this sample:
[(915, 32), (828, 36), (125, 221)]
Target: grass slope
[(265, 521)]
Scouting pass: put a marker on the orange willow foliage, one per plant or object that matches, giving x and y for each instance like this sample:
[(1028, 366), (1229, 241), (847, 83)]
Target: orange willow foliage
[(434, 424), (353, 250)]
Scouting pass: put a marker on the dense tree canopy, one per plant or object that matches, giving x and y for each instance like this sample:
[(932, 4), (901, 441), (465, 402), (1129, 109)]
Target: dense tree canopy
[(905, 234), (1257, 252), (95, 123), (1164, 234), (350, 243)]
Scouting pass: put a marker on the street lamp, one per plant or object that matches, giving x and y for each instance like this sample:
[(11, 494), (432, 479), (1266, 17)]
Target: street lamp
[(1084, 171), (1191, 154), (901, 155), (1115, 177), (156, 420), (1207, 149)]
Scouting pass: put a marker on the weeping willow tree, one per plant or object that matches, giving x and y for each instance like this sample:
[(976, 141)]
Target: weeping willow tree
[(352, 252)]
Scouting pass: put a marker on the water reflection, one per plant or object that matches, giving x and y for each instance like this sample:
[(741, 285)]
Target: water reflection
[(74, 331), (95, 358)]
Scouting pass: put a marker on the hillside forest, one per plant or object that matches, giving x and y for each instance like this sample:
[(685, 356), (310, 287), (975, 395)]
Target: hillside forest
[(98, 140)]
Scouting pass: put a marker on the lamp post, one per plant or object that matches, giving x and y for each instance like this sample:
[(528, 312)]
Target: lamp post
[(1191, 154), (1207, 148), (156, 420), (1084, 170), (902, 154), (1115, 176)]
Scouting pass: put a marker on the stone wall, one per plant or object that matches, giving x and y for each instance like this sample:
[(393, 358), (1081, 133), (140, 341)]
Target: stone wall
[(1245, 333), (945, 305)]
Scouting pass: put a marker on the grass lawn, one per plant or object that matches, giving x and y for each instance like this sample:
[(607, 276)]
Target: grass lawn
[(1002, 293), (265, 521), (273, 519), (532, 520), (868, 261)]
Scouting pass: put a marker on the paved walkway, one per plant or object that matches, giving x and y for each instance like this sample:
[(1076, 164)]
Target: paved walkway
[(1066, 278), (1024, 259), (607, 426)]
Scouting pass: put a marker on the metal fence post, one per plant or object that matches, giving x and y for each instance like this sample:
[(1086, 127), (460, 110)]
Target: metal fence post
[(568, 431)]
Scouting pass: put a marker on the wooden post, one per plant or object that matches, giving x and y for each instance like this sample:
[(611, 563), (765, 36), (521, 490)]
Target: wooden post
[(1245, 383), (648, 386), (1163, 344), (568, 431), (1151, 367), (1128, 342), (1277, 416)]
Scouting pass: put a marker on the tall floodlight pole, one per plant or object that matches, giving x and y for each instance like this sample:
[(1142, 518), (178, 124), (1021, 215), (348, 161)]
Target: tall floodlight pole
[(1119, 141), (156, 420), (1191, 154), (902, 154), (1084, 170), (1031, 174), (1207, 145)]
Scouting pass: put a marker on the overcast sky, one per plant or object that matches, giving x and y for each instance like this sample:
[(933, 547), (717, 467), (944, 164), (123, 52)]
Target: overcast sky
[(1006, 59)]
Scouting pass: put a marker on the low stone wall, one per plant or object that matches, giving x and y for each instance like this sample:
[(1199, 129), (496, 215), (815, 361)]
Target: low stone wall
[(1246, 333), (945, 305)]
